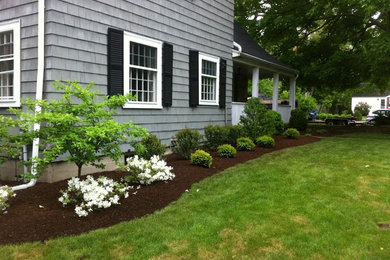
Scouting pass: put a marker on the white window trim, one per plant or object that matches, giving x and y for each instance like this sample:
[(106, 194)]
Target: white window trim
[(131, 37), (203, 56), (15, 27)]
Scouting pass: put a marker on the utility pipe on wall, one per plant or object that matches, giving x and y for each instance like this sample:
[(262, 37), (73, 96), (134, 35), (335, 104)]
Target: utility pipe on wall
[(39, 88)]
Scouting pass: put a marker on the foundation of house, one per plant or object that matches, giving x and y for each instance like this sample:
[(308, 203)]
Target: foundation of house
[(56, 171)]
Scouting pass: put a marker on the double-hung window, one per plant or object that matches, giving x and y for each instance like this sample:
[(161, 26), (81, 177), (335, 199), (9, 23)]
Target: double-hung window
[(10, 64), (209, 80), (383, 103), (142, 71)]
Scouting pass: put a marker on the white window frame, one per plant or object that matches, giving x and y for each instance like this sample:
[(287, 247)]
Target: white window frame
[(203, 56), (384, 103), (131, 37), (15, 27)]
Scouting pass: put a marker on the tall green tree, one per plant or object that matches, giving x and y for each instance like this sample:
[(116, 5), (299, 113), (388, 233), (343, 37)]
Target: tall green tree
[(336, 45)]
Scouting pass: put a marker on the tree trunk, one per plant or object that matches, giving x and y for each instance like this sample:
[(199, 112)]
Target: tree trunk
[(79, 170)]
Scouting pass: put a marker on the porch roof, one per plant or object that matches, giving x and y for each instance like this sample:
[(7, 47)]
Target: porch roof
[(254, 53)]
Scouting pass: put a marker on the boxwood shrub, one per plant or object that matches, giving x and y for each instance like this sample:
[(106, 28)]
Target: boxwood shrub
[(291, 133), (227, 151), (234, 132), (265, 141), (201, 158), (245, 144), (152, 146), (215, 136), (188, 141)]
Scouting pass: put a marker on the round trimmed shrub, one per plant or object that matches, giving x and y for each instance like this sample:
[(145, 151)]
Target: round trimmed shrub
[(227, 151), (201, 158), (291, 133), (265, 141), (245, 144)]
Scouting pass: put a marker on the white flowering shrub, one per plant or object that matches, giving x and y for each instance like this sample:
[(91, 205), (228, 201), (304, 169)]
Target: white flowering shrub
[(5, 193), (148, 171), (90, 194)]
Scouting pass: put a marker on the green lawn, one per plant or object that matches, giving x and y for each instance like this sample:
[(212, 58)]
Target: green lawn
[(319, 201)]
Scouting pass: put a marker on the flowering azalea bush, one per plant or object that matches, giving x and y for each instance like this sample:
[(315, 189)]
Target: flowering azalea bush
[(90, 194), (5, 193), (148, 171)]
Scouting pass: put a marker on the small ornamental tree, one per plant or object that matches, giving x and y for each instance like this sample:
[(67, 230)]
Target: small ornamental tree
[(253, 118), (363, 108), (79, 126)]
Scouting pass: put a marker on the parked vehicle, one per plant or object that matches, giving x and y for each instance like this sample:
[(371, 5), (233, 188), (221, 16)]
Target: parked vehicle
[(341, 121), (370, 117)]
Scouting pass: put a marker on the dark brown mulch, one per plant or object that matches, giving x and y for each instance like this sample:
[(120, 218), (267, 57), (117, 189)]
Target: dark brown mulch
[(36, 215)]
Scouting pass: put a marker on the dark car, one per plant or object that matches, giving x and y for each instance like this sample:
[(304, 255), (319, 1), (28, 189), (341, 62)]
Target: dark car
[(371, 116)]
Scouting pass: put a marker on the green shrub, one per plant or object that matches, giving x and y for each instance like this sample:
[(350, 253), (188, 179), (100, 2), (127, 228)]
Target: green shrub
[(291, 133), (308, 135), (298, 120), (321, 131), (234, 132), (322, 116), (363, 108), (227, 151), (253, 117), (358, 115), (245, 144), (151, 146), (201, 158), (188, 141), (272, 123), (215, 136), (265, 141)]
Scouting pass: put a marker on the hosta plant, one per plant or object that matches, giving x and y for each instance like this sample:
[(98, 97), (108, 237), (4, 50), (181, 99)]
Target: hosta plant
[(90, 194), (148, 171), (5, 193)]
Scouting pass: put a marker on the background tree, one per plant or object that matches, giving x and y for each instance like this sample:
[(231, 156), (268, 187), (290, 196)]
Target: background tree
[(336, 45), (78, 126)]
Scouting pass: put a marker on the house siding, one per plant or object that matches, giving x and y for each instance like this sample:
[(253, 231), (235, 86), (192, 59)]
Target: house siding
[(27, 12), (76, 49)]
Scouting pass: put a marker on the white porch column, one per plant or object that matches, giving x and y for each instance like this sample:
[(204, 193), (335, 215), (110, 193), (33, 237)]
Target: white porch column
[(292, 92), (275, 95), (255, 82)]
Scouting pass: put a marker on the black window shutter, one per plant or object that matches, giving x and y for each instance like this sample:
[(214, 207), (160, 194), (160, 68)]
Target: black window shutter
[(115, 62), (194, 78), (222, 83), (167, 70)]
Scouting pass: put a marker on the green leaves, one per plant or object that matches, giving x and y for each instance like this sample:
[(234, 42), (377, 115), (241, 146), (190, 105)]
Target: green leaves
[(79, 126), (335, 45)]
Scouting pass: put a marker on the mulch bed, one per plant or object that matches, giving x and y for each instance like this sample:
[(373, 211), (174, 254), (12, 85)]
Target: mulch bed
[(36, 215)]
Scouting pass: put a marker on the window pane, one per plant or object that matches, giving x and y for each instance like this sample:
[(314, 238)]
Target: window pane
[(6, 86), (6, 43), (209, 68), (143, 55), (143, 84), (208, 92), (7, 65)]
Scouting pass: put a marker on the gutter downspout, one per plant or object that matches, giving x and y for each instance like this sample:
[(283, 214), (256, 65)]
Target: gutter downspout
[(39, 88)]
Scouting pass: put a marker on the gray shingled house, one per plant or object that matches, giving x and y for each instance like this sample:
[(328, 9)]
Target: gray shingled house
[(176, 56)]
